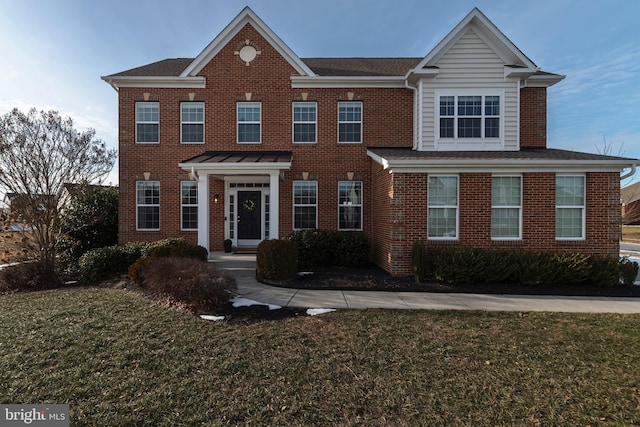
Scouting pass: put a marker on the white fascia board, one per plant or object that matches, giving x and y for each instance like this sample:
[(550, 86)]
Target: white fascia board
[(235, 168), (413, 76), (498, 166), (155, 82), (246, 16), (301, 82), (543, 80)]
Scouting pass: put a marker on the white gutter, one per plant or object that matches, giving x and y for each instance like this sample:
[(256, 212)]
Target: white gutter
[(630, 173)]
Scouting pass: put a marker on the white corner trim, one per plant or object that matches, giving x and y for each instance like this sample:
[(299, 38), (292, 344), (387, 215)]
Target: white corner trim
[(246, 16)]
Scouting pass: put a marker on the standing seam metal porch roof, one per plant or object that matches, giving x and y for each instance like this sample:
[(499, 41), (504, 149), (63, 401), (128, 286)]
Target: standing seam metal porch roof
[(228, 158)]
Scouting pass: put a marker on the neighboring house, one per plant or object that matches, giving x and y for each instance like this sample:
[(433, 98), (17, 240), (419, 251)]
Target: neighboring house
[(16, 203), (630, 201), (247, 142)]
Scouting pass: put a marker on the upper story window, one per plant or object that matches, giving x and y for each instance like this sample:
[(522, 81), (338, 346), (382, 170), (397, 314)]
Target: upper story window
[(469, 116), (147, 122), (192, 122), (570, 207), (304, 121), (249, 122), (350, 122)]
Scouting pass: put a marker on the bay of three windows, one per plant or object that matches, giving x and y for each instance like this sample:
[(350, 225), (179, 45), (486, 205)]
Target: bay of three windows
[(506, 207), (249, 122)]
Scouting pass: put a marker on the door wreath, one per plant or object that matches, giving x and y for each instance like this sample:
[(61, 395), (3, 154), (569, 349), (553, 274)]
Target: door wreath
[(249, 205)]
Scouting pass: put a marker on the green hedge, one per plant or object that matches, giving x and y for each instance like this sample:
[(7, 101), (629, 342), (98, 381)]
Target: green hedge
[(324, 248), (276, 259), (471, 265), (110, 261)]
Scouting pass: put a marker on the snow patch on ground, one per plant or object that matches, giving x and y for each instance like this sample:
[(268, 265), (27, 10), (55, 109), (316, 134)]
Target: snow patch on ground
[(212, 318), (245, 302), (316, 311)]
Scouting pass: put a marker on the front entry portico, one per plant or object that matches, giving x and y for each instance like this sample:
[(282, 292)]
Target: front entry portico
[(252, 189)]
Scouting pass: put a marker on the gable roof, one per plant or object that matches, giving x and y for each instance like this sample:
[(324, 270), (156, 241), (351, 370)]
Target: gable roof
[(246, 16), (489, 33), (182, 72)]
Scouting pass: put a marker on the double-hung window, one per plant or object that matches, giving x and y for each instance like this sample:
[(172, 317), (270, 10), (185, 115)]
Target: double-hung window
[(350, 205), (249, 122), (469, 116), (506, 207), (189, 205), (442, 211), (570, 207), (305, 204), (192, 122), (304, 122), (147, 122), (350, 122), (148, 205)]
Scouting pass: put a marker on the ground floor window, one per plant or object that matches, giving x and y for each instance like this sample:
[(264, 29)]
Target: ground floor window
[(570, 207), (148, 205), (189, 205), (506, 207), (350, 205), (442, 211), (305, 204)]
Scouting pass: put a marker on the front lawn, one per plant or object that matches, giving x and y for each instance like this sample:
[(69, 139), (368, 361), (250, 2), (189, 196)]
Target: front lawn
[(120, 359)]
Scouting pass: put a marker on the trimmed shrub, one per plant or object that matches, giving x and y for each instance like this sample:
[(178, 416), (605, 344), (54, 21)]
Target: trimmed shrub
[(194, 284), (181, 250), (419, 261), (628, 271), (353, 249), (104, 263), (324, 248), (28, 276), (276, 259), (605, 271)]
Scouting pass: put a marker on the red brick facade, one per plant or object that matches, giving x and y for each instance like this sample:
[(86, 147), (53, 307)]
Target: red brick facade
[(394, 202)]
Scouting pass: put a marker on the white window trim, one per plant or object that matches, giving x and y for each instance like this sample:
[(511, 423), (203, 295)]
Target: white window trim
[(182, 205), (352, 205), (583, 207), (346, 122), (146, 122), (468, 142), (303, 122), (182, 122), (138, 205), (293, 199), (259, 122), (456, 207), (519, 207)]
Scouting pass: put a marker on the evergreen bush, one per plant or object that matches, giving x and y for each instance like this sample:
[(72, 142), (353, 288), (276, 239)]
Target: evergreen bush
[(276, 259)]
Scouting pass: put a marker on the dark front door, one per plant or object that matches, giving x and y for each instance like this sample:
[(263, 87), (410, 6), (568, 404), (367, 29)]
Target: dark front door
[(249, 215)]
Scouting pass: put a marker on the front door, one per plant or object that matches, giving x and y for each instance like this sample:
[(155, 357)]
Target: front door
[(249, 215)]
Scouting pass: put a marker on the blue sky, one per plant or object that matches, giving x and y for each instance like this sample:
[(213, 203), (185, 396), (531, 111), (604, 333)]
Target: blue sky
[(52, 53)]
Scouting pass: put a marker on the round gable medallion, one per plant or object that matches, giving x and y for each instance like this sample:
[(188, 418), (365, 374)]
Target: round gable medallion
[(248, 53)]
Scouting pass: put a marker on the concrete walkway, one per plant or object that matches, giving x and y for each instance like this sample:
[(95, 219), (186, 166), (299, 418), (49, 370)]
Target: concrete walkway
[(242, 267)]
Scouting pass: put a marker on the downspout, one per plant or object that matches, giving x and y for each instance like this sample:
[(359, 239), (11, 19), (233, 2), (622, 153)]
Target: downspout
[(630, 173), (416, 113)]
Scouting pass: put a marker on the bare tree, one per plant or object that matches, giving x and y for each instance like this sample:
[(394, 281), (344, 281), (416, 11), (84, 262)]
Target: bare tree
[(39, 153)]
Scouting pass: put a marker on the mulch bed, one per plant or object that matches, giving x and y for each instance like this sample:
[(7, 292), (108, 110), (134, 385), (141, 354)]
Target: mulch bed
[(374, 278)]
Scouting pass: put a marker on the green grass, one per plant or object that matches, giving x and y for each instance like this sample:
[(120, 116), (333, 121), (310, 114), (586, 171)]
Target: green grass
[(120, 359)]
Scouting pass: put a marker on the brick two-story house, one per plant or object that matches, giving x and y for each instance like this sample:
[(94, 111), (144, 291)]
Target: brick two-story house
[(247, 142)]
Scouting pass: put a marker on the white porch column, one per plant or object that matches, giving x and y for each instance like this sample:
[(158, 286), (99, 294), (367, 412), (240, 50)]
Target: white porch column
[(203, 210), (274, 204)]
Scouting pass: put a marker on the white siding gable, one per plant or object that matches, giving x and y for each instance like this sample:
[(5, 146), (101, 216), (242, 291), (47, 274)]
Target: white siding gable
[(469, 67)]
